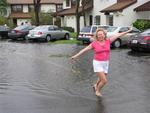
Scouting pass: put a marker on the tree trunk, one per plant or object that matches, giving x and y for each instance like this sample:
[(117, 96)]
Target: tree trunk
[(77, 17), (83, 13), (36, 10), (84, 3)]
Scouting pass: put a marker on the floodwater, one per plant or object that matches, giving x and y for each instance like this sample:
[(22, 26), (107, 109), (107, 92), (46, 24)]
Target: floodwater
[(40, 78)]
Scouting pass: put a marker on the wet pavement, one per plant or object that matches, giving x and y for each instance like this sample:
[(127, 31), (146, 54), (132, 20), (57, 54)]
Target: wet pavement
[(40, 78)]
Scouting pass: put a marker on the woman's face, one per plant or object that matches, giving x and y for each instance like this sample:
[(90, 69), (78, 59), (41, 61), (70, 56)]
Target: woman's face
[(100, 35)]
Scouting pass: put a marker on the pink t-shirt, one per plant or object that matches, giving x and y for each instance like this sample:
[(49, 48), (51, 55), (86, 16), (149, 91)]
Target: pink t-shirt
[(101, 52)]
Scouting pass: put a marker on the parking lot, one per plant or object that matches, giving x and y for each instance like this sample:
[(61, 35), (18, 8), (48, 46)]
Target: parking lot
[(40, 78)]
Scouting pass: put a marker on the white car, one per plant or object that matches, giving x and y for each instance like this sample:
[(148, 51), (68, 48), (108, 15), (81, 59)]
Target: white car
[(48, 33), (112, 30), (86, 33)]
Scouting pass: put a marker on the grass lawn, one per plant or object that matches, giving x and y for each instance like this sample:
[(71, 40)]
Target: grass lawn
[(71, 41)]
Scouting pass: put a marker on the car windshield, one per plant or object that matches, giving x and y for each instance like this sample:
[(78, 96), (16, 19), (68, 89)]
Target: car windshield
[(3, 28), (135, 30), (111, 29), (41, 27), (146, 32), (22, 28), (86, 29), (104, 27)]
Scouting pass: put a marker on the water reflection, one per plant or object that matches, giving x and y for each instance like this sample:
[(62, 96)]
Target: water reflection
[(100, 108)]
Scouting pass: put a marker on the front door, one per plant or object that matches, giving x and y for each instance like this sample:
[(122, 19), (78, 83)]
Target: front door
[(15, 22), (91, 20)]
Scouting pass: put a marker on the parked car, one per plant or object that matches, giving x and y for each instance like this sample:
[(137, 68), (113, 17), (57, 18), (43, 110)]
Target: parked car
[(48, 33), (86, 33), (140, 41), (124, 39), (4, 31), (20, 32)]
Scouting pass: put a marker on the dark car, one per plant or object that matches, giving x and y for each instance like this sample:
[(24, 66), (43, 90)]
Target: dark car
[(20, 32), (140, 41), (4, 31)]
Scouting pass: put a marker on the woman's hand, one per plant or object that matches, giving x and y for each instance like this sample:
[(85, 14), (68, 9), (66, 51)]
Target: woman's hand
[(74, 57), (130, 29)]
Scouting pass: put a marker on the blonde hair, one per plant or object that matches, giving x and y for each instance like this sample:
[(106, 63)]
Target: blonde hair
[(100, 29)]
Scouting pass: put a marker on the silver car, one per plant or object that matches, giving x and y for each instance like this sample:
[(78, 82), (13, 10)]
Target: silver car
[(124, 39), (48, 33)]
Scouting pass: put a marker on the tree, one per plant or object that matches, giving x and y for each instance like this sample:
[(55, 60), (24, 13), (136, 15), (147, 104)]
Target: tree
[(84, 3), (77, 17), (3, 7), (36, 10)]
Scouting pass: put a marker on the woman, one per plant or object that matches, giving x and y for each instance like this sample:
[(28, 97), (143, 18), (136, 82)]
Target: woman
[(101, 48)]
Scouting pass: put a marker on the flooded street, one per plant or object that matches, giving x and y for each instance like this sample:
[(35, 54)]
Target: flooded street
[(40, 78)]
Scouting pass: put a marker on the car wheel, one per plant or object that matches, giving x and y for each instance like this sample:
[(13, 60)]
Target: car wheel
[(48, 38), (117, 43), (67, 36)]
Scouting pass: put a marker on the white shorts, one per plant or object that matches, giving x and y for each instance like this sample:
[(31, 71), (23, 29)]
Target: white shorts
[(100, 66)]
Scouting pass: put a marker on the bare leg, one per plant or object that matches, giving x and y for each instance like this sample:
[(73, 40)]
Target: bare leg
[(100, 84), (96, 84)]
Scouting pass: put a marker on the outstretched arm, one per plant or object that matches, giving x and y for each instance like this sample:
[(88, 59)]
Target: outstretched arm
[(113, 38), (82, 51)]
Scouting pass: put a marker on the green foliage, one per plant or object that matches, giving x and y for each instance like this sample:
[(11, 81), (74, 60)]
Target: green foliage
[(45, 19), (8, 22), (70, 29), (66, 42), (142, 24), (3, 7), (33, 20), (2, 20), (74, 35)]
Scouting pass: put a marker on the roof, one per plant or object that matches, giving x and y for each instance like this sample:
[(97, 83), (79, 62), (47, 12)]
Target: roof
[(20, 15), (72, 11), (31, 1), (119, 6), (143, 7)]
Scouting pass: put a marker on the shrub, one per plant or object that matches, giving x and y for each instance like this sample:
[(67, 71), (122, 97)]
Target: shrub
[(2, 20), (46, 19), (43, 18), (70, 29), (142, 24), (9, 22), (74, 35)]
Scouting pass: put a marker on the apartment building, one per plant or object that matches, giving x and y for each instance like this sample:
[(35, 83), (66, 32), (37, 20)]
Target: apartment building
[(105, 12), (20, 10)]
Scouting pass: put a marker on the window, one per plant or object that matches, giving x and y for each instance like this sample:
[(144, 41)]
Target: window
[(97, 20), (56, 28), (135, 30), (59, 7), (123, 29), (67, 3), (31, 8), (73, 3), (16, 8), (111, 20), (94, 29)]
